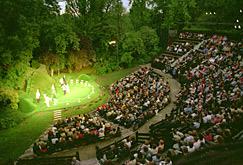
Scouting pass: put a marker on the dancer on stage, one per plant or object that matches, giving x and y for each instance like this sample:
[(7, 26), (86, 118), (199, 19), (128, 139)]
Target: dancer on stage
[(37, 96), (67, 88), (64, 88), (47, 100), (61, 81), (53, 91)]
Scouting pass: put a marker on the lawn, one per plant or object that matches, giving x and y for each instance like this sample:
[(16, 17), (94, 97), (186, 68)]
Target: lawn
[(14, 141)]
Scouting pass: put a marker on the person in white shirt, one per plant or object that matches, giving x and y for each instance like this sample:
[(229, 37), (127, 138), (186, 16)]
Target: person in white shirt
[(190, 148), (197, 144)]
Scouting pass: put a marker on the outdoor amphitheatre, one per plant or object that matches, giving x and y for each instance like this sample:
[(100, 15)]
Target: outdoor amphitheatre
[(121, 82)]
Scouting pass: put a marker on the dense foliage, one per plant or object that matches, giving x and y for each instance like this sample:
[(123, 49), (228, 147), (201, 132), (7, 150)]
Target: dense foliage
[(99, 33)]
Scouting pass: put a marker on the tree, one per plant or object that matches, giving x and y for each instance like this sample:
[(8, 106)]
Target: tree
[(57, 39), (221, 12), (126, 59), (140, 14), (98, 22), (133, 44), (19, 36), (177, 14), (150, 41)]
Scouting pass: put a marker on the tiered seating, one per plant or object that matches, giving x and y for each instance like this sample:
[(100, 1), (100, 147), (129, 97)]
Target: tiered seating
[(209, 107), (119, 151), (74, 131), (136, 98), (178, 51), (180, 48), (192, 36)]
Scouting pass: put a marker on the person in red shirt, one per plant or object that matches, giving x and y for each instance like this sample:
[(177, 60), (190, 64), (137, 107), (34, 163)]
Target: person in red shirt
[(208, 137)]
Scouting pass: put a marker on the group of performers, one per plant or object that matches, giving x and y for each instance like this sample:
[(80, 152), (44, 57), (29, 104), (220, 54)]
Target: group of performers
[(53, 98), (46, 98), (65, 88), (64, 85)]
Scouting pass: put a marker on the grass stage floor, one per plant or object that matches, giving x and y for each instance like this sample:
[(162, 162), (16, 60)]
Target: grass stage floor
[(80, 93)]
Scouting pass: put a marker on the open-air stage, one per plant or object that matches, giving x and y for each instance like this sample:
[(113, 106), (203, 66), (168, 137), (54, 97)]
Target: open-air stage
[(81, 92)]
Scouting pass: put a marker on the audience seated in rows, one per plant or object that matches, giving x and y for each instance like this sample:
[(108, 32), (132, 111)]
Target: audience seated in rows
[(211, 102), (209, 108), (136, 98), (180, 48), (192, 36), (74, 131)]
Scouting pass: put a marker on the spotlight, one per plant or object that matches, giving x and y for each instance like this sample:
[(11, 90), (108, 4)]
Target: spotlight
[(210, 13), (240, 11), (239, 27), (214, 13), (235, 27), (206, 13), (237, 20)]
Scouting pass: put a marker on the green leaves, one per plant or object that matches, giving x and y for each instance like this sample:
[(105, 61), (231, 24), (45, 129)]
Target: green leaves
[(127, 58), (139, 14), (8, 99), (177, 13), (140, 46)]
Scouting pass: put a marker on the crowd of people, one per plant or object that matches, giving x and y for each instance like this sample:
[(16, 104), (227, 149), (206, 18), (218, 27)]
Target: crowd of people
[(192, 36), (211, 101), (74, 131), (209, 107), (180, 54), (164, 62), (116, 152), (136, 98), (180, 48)]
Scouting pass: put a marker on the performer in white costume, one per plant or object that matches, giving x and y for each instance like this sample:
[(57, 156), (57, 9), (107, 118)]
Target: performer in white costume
[(67, 88), (64, 88), (53, 90), (47, 100), (61, 81), (37, 96)]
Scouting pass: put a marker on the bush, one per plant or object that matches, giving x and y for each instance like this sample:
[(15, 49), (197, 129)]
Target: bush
[(10, 119), (105, 67), (126, 59), (84, 77), (9, 99), (35, 64), (26, 105), (100, 69)]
